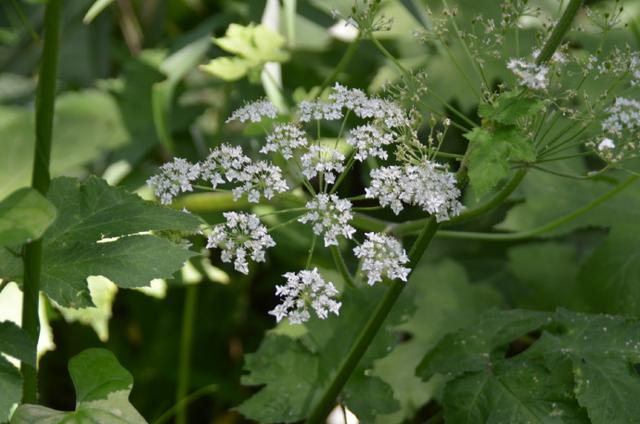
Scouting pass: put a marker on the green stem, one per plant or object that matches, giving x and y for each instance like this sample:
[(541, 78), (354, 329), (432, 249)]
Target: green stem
[(184, 402), (559, 31), (45, 99), (344, 61), (186, 345), (523, 235), (371, 327), (341, 265)]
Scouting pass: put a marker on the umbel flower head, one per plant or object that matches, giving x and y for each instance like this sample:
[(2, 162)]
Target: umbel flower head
[(382, 257), (322, 160), (329, 215), (530, 75), (259, 179), (427, 184), (285, 138), (223, 164), (175, 177), (368, 141), (254, 111), (305, 289), (622, 131), (241, 236)]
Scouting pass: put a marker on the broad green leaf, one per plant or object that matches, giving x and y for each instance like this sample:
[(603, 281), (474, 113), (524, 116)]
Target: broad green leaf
[(96, 8), (98, 232), (510, 107), (580, 365), (491, 153), (102, 394), (295, 372), (24, 215), (87, 124), (445, 301), (14, 342)]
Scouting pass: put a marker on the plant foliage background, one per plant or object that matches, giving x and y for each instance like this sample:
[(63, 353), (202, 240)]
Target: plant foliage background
[(130, 91)]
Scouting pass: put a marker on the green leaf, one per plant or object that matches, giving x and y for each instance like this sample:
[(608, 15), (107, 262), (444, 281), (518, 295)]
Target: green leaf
[(580, 363), (295, 372), (24, 215), (97, 232), (228, 68), (14, 342), (509, 107), (445, 302), (491, 153), (102, 394), (96, 8), (87, 124)]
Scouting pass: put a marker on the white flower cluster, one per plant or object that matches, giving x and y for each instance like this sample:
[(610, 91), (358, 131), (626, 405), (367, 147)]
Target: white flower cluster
[(254, 111), (366, 107), (305, 289), (313, 110), (622, 131), (382, 257), (224, 164), (242, 234), (531, 75), (428, 185), (285, 138), (260, 179), (368, 141), (329, 215), (322, 160), (175, 177)]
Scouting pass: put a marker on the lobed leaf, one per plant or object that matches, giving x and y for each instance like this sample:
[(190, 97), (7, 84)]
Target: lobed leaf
[(24, 215)]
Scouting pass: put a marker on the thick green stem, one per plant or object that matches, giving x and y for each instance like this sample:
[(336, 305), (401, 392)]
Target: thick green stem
[(523, 235), (186, 345), (45, 99), (559, 31), (373, 324), (344, 61)]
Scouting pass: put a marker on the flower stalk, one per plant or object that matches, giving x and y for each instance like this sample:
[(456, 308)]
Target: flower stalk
[(45, 100)]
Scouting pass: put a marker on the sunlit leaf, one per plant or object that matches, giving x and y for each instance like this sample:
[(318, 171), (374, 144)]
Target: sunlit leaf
[(24, 215)]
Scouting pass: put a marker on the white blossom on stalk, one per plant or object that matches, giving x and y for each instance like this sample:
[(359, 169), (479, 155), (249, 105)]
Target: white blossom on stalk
[(329, 215), (369, 141), (322, 160), (531, 75), (351, 98), (427, 184), (254, 111), (382, 257), (606, 144), (259, 179), (624, 115), (285, 138), (622, 131), (368, 107), (223, 164), (240, 236), (175, 177), (311, 110), (305, 289)]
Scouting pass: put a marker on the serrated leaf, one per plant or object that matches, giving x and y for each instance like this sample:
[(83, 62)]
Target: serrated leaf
[(491, 153), (295, 372), (98, 232), (509, 107), (102, 394), (24, 215), (580, 360), (445, 301)]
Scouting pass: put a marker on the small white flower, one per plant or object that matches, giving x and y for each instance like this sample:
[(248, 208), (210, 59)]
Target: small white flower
[(317, 109), (305, 289), (259, 179), (368, 141), (285, 138), (322, 160), (351, 98), (243, 234), (382, 257), (175, 177), (223, 164), (606, 144), (624, 115), (427, 184), (386, 186), (330, 216), (531, 75), (254, 111)]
